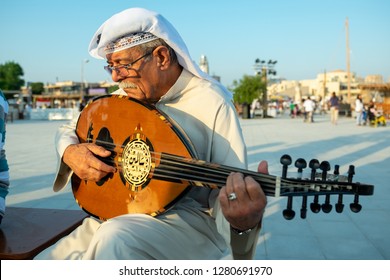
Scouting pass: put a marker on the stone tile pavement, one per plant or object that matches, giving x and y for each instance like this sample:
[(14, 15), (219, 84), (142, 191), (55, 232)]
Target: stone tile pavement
[(32, 160)]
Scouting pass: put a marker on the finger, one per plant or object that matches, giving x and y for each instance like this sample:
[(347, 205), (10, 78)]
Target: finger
[(229, 188), (96, 163), (96, 175), (226, 190), (254, 190), (239, 186), (98, 150), (263, 167), (99, 165), (223, 197)]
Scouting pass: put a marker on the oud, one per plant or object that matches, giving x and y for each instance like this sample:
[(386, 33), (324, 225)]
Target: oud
[(156, 166)]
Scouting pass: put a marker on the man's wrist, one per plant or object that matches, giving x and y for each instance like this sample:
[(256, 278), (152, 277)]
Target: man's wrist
[(242, 232)]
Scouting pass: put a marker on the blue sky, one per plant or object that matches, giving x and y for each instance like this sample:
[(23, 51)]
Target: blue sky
[(49, 39)]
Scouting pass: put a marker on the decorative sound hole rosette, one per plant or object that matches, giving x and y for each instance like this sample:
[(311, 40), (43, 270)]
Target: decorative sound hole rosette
[(136, 161)]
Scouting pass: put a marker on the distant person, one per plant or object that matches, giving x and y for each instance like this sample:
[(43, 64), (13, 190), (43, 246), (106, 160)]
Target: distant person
[(4, 170), (321, 106), (27, 111), (303, 111), (309, 107), (365, 115), (374, 116), (254, 107), (359, 107), (293, 111), (334, 108)]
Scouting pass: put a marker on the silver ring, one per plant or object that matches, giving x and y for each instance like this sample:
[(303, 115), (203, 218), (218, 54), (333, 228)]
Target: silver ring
[(232, 196)]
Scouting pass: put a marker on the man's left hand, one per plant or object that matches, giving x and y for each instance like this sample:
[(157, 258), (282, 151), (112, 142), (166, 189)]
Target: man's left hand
[(246, 210)]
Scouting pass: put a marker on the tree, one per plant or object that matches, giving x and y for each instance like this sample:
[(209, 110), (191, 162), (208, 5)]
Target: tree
[(248, 89), (37, 88), (10, 74)]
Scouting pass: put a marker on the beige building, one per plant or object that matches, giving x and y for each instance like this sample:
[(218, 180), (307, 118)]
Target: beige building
[(69, 94), (325, 83)]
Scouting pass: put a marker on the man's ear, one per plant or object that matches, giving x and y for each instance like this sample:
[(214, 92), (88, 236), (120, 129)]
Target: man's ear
[(163, 57)]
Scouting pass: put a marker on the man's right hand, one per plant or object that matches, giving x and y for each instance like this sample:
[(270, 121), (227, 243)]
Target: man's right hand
[(81, 158)]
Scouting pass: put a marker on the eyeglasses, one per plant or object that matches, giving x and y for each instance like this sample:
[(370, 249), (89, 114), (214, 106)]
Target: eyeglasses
[(119, 69)]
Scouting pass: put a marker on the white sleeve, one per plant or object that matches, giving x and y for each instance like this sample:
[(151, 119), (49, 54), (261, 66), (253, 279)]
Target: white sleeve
[(65, 136)]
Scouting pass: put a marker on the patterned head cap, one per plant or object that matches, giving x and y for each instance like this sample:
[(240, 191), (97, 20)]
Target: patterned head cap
[(129, 41)]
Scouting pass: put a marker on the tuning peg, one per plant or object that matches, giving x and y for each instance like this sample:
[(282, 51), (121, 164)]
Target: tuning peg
[(336, 169), (285, 160), (325, 167), (315, 207), (326, 206), (304, 207), (288, 213), (339, 205), (300, 164), (314, 164), (355, 206), (351, 172)]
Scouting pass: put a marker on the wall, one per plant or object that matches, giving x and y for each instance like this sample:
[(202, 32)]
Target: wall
[(53, 114)]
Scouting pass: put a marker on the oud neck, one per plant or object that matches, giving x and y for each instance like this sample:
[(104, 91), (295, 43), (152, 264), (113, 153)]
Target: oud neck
[(211, 175)]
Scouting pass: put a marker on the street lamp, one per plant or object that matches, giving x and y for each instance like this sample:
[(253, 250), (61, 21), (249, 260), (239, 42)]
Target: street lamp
[(263, 69), (82, 85)]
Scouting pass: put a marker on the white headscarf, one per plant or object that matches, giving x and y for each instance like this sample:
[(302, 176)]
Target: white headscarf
[(141, 20)]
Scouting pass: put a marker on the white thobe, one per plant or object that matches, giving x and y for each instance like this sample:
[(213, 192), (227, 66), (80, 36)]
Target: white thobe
[(195, 227)]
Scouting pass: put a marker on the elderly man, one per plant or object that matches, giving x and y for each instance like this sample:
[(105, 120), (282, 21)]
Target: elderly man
[(151, 63)]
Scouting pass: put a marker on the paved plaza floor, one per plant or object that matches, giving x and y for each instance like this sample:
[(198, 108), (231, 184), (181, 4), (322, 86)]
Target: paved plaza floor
[(348, 235)]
